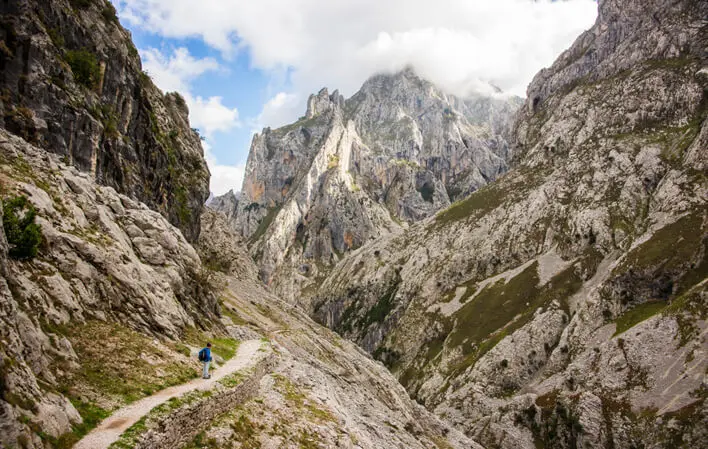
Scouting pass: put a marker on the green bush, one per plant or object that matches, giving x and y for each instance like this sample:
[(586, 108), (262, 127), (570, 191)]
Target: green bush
[(109, 13), (84, 66), (23, 234)]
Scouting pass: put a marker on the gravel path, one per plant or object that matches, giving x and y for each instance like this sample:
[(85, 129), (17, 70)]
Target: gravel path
[(112, 427)]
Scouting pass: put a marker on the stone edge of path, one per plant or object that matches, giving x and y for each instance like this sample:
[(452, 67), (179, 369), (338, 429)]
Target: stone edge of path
[(180, 426)]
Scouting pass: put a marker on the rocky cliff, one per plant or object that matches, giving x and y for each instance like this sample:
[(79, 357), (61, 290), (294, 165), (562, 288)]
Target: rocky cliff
[(564, 303), (71, 82), (227, 204), (353, 170), (110, 275)]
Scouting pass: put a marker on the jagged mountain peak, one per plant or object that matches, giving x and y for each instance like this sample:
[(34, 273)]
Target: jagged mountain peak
[(323, 101), (394, 153)]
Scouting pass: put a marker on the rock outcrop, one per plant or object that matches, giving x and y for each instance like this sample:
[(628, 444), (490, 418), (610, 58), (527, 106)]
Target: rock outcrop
[(350, 171), (72, 83), (564, 303), (104, 258), (227, 204)]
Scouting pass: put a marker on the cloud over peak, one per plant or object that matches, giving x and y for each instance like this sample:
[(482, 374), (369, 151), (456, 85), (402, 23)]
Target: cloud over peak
[(458, 44)]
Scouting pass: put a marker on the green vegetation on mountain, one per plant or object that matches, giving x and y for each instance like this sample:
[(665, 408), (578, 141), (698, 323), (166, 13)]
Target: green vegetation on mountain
[(23, 234)]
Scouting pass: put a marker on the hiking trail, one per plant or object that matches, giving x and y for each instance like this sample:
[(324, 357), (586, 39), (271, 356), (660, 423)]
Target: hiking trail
[(111, 428)]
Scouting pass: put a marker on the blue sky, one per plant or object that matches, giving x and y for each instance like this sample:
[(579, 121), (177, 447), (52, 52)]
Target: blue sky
[(246, 64)]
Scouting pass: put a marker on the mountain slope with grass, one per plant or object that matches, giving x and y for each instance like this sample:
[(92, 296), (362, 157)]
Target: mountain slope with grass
[(98, 313), (563, 305)]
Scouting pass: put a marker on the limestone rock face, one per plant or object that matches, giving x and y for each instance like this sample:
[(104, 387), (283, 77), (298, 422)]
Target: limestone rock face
[(568, 295), (226, 204), (72, 84), (350, 171), (104, 257)]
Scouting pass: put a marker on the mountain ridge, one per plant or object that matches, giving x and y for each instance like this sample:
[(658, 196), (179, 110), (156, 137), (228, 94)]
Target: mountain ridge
[(351, 170), (507, 307)]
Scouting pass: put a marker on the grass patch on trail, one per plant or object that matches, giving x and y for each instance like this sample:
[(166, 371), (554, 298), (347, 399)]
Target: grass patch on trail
[(224, 347), (637, 314), (121, 364)]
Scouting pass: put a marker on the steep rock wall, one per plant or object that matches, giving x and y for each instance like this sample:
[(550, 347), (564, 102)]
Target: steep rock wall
[(72, 83), (350, 171)]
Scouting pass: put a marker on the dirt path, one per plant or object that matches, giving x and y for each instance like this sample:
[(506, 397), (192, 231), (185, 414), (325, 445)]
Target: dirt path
[(112, 427)]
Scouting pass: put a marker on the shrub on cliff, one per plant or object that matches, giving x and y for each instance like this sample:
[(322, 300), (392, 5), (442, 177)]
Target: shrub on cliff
[(109, 13), (23, 234), (84, 66)]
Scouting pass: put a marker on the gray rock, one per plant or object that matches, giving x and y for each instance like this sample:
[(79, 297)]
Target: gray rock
[(116, 126), (500, 312), (89, 267), (350, 171)]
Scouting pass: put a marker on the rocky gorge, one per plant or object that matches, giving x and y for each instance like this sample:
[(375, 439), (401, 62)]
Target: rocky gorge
[(421, 270), (108, 287)]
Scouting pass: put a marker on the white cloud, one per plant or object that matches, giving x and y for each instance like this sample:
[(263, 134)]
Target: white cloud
[(223, 177), (280, 110), (175, 72), (459, 44), (210, 115)]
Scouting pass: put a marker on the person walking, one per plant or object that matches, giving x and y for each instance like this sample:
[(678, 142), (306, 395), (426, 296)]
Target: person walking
[(205, 358)]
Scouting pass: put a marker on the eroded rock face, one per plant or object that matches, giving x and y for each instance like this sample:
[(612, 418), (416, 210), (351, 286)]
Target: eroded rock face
[(350, 171), (72, 84), (226, 204), (555, 301), (104, 257)]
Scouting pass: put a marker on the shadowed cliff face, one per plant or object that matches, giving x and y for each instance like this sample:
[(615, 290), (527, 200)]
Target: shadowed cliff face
[(350, 171), (564, 303), (72, 84)]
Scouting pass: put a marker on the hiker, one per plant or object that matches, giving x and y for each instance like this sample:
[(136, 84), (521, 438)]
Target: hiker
[(205, 358)]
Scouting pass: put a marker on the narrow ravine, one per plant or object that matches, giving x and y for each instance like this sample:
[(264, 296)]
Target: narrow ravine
[(110, 429)]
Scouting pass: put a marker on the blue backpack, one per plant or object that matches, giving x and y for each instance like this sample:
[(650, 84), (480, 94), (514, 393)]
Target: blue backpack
[(202, 355)]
